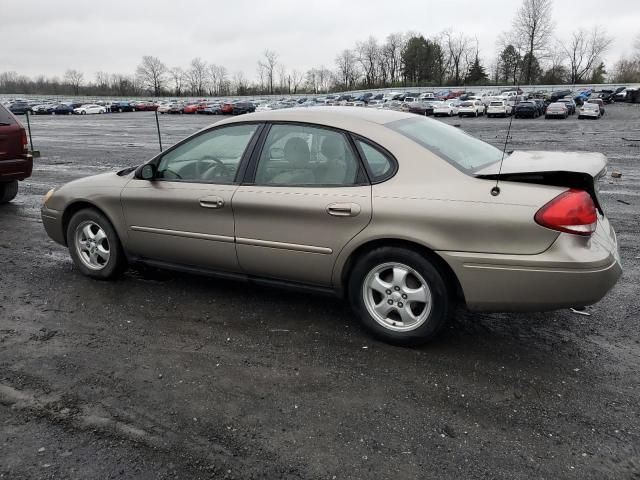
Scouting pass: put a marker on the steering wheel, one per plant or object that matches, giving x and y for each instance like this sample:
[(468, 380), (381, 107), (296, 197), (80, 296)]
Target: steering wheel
[(219, 169)]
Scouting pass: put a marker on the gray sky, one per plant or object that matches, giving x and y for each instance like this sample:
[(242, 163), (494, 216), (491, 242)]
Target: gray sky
[(41, 36)]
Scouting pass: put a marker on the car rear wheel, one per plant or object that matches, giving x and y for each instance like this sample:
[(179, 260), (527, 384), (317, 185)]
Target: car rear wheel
[(399, 295), (8, 191), (94, 245)]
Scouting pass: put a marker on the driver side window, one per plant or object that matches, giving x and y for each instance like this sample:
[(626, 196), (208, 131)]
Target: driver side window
[(211, 157)]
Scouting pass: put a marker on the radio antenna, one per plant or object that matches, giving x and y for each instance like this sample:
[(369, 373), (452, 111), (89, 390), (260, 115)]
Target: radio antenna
[(495, 190)]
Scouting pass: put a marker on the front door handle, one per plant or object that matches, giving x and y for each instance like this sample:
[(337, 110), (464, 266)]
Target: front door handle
[(343, 209), (212, 202)]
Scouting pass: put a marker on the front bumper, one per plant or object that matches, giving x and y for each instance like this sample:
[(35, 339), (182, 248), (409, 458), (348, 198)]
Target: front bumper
[(575, 271), (52, 222)]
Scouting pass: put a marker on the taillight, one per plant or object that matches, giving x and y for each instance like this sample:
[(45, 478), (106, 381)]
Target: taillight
[(572, 212), (23, 136)]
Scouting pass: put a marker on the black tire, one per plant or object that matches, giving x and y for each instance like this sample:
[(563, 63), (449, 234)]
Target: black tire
[(442, 302), (117, 262), (8, 191)]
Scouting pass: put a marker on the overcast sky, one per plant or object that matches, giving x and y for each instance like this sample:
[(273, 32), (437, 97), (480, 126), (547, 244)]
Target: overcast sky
[(112, 35)]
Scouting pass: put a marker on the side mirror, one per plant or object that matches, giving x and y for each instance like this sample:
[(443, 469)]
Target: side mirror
[(146, 172)]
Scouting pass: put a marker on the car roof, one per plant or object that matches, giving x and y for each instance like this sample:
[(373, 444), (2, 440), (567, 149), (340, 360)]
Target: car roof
[(324, 116)]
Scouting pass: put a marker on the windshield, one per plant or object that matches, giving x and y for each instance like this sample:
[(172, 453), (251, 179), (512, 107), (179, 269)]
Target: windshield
[(450, 143)]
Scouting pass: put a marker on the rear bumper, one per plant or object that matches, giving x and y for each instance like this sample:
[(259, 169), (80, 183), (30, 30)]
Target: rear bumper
[(52, 222), (573, 272), (16, 169)]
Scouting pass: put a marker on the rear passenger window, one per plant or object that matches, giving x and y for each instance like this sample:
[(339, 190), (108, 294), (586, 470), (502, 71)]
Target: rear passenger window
[(5, 117), (380, 165)]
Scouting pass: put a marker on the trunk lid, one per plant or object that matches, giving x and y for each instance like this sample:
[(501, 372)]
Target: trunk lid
[(580, 170)]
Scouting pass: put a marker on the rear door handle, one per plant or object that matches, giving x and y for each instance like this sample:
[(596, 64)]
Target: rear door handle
[(212, 202), (343, 209)]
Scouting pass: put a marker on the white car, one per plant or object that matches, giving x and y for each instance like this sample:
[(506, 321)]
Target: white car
[(499, 108), (471, 108), (375, 103), (426, 96), (589, 110), (447, 108), (89, 109)]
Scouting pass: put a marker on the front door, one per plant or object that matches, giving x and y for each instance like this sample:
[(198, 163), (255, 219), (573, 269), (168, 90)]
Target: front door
[(306, 198), (184, 215)]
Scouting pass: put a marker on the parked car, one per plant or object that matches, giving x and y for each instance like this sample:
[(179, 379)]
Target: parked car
[(446, 108), (570, 103), (42, 109), (527, 109), (15, 162), (589, 110), (121, 107), (145, 106), (499, 108), (193, 107), (582, 95), (620, 95), (599, 102), (361, 226), (471, 108), (61, 109), (89, 109), (557, 109), (176, 108), (163, 108), (419, 108), (20, 108), (557, 95), (210, 109)]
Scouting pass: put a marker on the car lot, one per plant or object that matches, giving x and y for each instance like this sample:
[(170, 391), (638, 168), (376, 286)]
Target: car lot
[(163, 375)]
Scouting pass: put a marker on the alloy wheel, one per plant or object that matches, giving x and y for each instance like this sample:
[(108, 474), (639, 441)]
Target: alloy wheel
[(92, 245), (397, 296)]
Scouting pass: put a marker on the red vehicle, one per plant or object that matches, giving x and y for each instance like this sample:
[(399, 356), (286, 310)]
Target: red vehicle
[(15, 161), (146, 106), (193, 108), (454, 94), (226, 108)]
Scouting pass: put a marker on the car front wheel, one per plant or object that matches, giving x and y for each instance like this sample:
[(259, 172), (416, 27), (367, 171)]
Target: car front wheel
[(8, 191), (94, 245), (399, 295)]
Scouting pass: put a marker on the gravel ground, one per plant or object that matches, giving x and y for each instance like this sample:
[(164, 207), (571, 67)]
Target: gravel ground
[(164, 375)]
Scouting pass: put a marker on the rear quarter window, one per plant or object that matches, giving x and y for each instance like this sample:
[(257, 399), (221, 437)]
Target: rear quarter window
[(379, 164), (6, 118)]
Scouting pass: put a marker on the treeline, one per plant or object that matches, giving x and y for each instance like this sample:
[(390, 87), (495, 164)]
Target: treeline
[(528, 54)]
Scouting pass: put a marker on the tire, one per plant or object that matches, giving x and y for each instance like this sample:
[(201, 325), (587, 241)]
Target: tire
[(429, 316), (8, 191), (101, 268)]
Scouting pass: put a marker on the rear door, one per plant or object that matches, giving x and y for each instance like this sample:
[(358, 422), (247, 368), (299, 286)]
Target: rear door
[(305, 196)]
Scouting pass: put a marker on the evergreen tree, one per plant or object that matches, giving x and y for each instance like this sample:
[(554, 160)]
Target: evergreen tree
[(477, 74)]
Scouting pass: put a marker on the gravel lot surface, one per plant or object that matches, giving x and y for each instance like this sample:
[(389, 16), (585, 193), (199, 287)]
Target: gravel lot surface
[(163, 375)]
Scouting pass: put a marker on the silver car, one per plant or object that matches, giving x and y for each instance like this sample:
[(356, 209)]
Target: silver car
[(403, 215)]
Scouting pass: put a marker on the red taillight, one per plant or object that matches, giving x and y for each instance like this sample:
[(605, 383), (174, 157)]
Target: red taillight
[(572, 211), (23, 135)]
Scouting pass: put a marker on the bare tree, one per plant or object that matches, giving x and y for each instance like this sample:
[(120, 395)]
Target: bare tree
[(269, 67), (532, 29), (152, 74), (347, 70), (295, 79), (367, 55), (196, 76), (583, 51), (282, 78), (459, 47), (239, 83), (102, 80), (391, 51), (178, 78), (74, 78)]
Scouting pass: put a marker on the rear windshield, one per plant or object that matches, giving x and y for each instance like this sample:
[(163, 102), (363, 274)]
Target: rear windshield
[(6, 118), (496, 104), (461, 150)]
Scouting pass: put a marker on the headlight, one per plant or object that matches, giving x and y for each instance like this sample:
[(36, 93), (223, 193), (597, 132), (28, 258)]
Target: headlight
[(48, 196)]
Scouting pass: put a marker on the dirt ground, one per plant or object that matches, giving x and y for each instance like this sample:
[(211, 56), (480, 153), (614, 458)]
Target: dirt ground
[(163, 375)]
